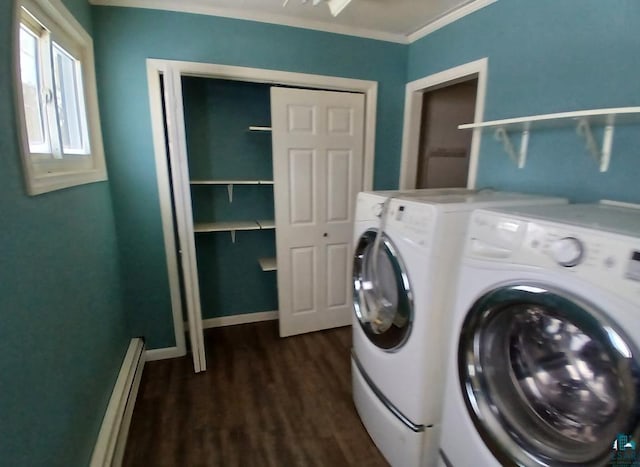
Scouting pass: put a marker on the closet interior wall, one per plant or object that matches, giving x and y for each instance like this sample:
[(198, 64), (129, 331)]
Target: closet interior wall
[(218, 114)]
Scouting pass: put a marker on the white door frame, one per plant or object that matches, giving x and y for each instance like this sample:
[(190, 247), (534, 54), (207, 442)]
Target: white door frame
[(413, 117), (177, 69)]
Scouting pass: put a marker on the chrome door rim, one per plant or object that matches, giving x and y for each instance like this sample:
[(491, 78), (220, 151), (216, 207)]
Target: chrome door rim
[(487, 404), (396, 336)]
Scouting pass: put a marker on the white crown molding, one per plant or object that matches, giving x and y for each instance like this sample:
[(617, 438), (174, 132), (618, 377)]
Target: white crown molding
[(448, 18), (191, 6), (197, 7)]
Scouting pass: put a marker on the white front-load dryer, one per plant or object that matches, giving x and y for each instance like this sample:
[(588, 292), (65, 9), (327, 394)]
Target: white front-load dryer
[(544, 368), (401, 304)]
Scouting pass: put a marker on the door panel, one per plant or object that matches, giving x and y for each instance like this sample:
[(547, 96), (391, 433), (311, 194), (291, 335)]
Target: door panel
[(339, 179), (318, 164), (340, 120), (301, 118), (301, 181), (302, 268), (338, 260)]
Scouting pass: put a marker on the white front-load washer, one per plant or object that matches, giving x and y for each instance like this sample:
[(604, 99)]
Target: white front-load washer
[(544, 369), (402, 286)]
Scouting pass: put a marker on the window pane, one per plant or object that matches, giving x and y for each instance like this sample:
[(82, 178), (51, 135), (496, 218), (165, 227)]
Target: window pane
[(31, 95), (69, 101)]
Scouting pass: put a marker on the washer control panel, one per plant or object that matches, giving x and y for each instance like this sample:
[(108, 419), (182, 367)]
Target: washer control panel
[(610, 260), (633, 266)]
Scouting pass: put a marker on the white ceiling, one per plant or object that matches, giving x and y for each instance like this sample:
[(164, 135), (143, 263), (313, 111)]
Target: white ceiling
[(392, 20)]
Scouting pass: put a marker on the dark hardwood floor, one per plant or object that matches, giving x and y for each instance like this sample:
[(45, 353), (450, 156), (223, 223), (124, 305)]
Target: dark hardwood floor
[(264, 401)]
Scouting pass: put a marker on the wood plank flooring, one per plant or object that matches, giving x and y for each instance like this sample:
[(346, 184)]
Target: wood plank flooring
[(264, 401)]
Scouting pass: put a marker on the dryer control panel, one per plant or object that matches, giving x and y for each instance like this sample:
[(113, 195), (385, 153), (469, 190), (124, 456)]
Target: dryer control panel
[(411, 221), (609, 260)]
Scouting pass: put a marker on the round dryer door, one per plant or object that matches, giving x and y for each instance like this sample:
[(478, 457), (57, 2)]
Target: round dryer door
[(547, 378), (382, 301)]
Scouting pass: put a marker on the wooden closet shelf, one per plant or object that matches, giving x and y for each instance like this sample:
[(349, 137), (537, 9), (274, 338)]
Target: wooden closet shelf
[(225, 226), (231, 182), (268, 264), (233, 226), (267, 224)]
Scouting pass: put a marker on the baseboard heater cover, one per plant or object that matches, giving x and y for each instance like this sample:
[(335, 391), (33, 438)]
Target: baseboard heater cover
[(112, 439)]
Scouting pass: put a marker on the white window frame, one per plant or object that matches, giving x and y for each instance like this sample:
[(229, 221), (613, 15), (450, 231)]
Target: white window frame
[(48, 172)]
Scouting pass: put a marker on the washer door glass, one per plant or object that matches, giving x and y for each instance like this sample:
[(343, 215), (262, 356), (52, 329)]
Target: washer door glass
[(382, 301), (547, 378)]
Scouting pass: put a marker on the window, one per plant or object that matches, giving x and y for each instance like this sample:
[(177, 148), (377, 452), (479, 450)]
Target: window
[(57, 99)]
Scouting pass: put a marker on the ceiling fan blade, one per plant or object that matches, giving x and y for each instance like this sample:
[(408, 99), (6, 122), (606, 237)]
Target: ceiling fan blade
[(336, 6)]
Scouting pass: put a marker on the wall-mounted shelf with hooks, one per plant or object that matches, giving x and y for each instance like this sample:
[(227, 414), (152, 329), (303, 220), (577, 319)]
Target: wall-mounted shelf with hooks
[(233, 226), (583, 120), (230, 184)]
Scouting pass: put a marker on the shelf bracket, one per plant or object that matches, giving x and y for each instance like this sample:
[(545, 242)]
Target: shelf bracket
[(600, 155), (233, 236), (520, 158), (230, 192)]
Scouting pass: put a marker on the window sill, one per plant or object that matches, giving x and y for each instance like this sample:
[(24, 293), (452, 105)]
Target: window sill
[(38, 185)]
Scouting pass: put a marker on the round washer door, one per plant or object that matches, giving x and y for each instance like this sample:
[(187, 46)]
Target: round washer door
[(383, 302), (547, 378)]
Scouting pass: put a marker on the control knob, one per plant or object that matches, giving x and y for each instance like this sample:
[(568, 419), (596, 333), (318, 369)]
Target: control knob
[(377, 209), (567, 251)]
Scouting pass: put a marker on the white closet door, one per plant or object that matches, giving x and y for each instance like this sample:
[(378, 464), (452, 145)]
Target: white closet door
[(177, 146), (317, 164)]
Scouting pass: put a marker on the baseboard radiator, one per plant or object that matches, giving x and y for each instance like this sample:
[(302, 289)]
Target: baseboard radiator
[(112, 439)]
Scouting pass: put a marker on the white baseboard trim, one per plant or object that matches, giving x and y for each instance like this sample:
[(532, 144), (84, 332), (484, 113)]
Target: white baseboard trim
[(112, 439), (244, 318), (164, 353)]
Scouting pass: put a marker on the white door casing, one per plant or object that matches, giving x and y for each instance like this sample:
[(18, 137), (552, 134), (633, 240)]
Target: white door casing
[(318, 164), (413, 117)]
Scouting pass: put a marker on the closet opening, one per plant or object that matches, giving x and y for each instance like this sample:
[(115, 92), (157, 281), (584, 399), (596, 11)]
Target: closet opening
[(435, 154), (242, 201), (443, 155)]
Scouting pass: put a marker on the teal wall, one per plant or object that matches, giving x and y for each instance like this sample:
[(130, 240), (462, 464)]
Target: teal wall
[(125, 38), (62, 320), (217, 116), (549, 56), (544, 56), (62, 325)]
